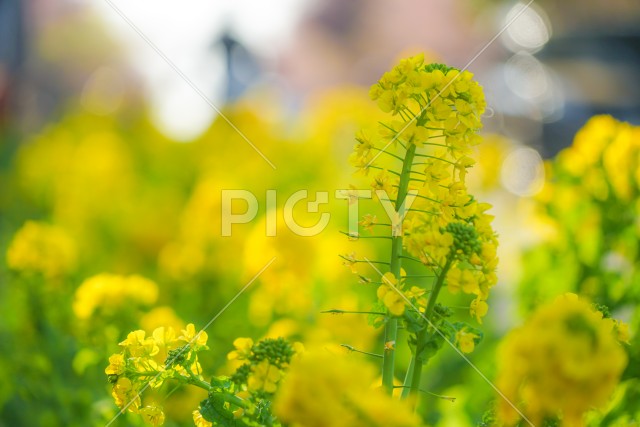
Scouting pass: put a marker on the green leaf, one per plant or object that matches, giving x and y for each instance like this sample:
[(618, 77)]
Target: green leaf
[(431, 346), (413, 321), (215, 409)]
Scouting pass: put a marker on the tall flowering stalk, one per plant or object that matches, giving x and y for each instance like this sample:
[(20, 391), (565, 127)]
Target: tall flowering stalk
[(419, 160)]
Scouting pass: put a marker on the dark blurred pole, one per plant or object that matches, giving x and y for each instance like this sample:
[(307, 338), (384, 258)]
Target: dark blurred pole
[(12, 53), (242, 69)]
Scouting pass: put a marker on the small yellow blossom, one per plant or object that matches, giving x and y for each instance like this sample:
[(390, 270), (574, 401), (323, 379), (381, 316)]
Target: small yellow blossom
[(324, 390), (368, 221), (389, 294), (243, 349), (199, 420), (478, 309), (125, 394), (563, 362), (116, 365), (138, 345), (264, 377), (190, 336), (465, 341), (42, 248), (109, 292), (462, 279), (152, 415)]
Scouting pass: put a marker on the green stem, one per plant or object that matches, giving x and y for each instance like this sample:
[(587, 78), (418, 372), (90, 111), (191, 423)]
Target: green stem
[(407, 378), (421, 337), (391, 327)]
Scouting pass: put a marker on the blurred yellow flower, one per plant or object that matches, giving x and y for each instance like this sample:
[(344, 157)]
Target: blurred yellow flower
[(389, 294), (465, 341), (161, 316), (190, 336), (125, 394), (564, 361), (243, 349), (323, 390), (264, 377), (462, 279), (109, 292), (116, 365), (152, 415), (199, 420), (42, 248)]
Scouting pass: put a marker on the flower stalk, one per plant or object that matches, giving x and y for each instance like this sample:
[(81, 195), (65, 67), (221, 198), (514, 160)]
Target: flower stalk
[(417, 361), (391, 327)]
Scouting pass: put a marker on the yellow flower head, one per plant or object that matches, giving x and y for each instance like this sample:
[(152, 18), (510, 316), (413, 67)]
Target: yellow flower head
[(116, 365), (389, 294), (152, 415), (243, 349), (324, 390), (42, 248), (564, 361), (137, 345), (196, 339), (466, 341), (109, 292), (199, 420), (264, 377), (125, 394)]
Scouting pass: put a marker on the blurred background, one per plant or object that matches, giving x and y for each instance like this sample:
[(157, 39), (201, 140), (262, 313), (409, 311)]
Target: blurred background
[(110, 130), (538, 74)]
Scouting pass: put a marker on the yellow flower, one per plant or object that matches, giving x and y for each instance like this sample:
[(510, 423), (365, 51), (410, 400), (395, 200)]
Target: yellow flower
[(437, 244), (563, 362), (324, 390), (264, 377), (152, 415), (299, 349), (165, 339), (243, 349), (417, 293), (621, 331), (161, 316), (138, 346), (389, 294), (199, 420), (42, 248), (465, 341), (190, 336), (110, 292), (462, 279), (125, 394), (116, 365), (478, 309), (368, 221), (383, 182)]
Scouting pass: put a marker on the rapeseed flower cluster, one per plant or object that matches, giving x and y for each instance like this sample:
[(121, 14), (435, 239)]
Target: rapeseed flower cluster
[(149, 361), (328, 390), (436, 112), (42, 248), (418, 161), (164, 356), (108, 293), (565, 360)]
